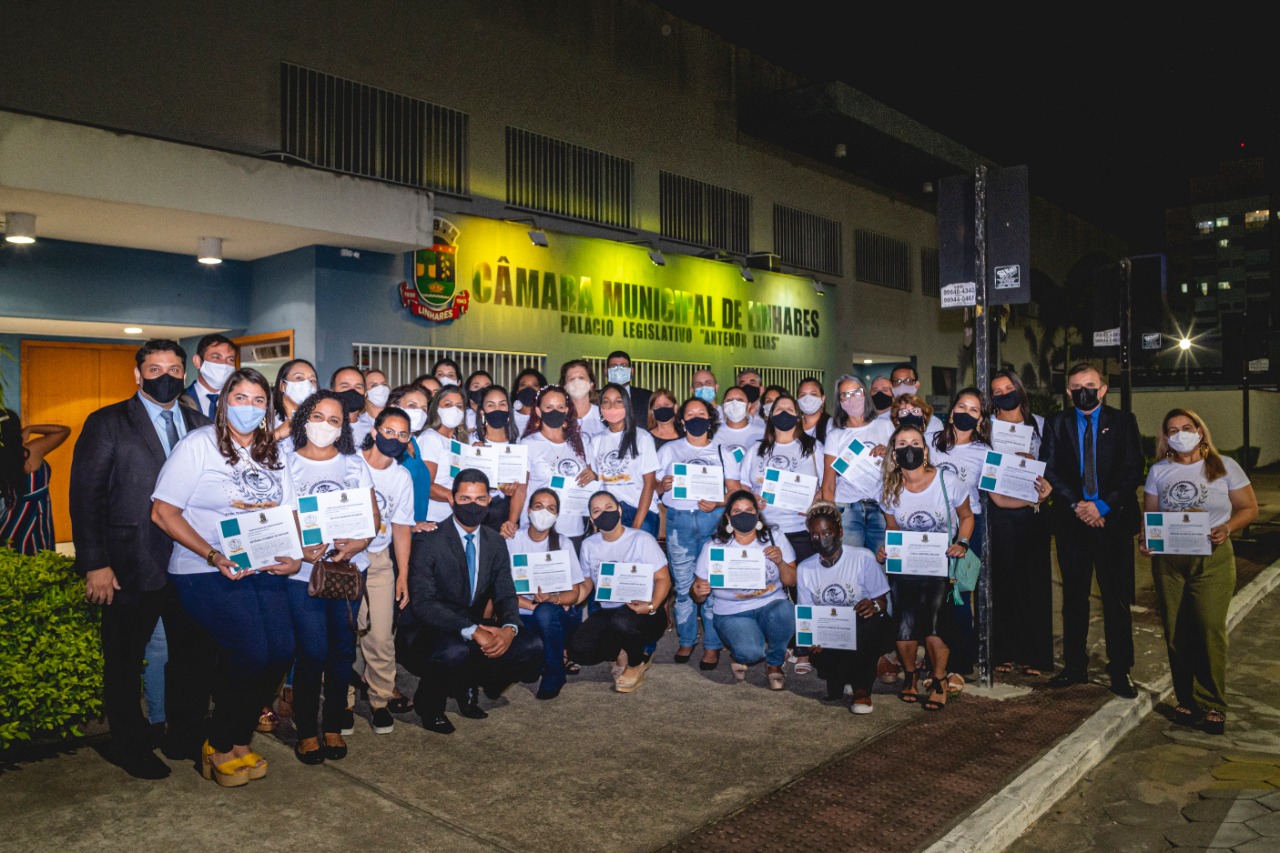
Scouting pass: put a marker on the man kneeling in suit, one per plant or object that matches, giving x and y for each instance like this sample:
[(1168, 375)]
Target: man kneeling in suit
[(455, 571)]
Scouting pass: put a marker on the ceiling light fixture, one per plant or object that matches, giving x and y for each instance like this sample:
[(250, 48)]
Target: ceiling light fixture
[(20, 227), (210, 250), (132, 330)]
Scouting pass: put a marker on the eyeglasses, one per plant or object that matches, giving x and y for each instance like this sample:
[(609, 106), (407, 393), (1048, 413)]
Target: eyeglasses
[(914, 410), (901, 382), (856, 392), (388, 432)]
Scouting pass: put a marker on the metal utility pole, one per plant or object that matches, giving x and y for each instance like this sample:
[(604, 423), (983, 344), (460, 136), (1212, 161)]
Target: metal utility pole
[(1126, 335), (982, 372)]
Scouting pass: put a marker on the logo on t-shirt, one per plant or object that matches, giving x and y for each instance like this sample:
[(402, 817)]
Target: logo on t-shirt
[(567, 467), (921, 520), (613, 469), (1183, 494), (837, 595)]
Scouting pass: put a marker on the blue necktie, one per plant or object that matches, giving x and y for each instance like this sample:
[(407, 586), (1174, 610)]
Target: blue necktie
[(170, 430), (213, 405), (471, 562)]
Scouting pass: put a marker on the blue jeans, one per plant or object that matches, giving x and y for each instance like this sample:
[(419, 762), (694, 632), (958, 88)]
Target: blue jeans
[(157, 655), (749, 633), (863, 525), (554, 625), (249, 622), (326, 650), (687, 532), (650, 523)]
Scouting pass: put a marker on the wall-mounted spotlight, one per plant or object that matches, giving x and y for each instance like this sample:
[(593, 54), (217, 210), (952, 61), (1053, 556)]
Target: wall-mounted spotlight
[(209, 250), (538, 237), (745, 272), (657, 258), (19, 227), (817, 287)]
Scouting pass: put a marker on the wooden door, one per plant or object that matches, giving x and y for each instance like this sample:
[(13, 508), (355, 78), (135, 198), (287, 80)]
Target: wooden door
[(63, 383)]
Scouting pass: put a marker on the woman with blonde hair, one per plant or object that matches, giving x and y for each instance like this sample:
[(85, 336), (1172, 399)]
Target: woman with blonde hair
[(1193, 591)]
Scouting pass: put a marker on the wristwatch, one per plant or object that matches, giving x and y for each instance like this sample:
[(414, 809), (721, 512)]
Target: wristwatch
[(964, 542), (652, 609), (208, 558)]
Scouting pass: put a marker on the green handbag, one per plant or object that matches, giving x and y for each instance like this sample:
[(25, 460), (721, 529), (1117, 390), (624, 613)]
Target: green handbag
[(962, 571)]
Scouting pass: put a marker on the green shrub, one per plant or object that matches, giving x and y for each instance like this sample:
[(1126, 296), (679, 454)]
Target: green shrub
[(50, 649)]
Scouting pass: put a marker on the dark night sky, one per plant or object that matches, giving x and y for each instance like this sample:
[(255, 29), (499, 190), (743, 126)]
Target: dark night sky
[(1111, 116)]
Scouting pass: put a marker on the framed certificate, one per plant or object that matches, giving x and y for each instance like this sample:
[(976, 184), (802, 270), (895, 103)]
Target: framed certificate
[(573, 498), (825, 626), (481, 458), (545, 572), (623, 582), (1178, 533), (254, 539), (911, 553), (1011, 438), (1011, 476), (697, 482), (735, 567), (346, 514), (788, 490), (856, 464)]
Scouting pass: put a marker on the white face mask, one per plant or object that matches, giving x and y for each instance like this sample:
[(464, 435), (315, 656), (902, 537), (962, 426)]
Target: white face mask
[(765, 409), (215, 375), (578, 388), (899, 390), (300, 390), (322, 434), (417, 419), (809, 403), (451, 416), (620, 374), (542, 519), (447, 380), (735, 410), (378, 394), (1184, 442)]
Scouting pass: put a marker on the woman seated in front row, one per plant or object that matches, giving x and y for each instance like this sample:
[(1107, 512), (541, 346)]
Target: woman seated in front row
[(756, 624), (840, 575), (620, 627)]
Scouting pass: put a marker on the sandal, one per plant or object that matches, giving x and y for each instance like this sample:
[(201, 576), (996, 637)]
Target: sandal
[(229, 774), (909, 693), (1214, 722), (1185, 716), (334, 747), (309, 756), (571, 668), (1007, 666), (256, 763), (937, 688), (955, 683), (777, 681), (268, 721), (1031, 672), (803, 667), (400, 704)]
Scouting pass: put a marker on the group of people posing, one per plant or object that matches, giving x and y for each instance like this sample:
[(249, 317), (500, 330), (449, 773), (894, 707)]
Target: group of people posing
[(543, 554)]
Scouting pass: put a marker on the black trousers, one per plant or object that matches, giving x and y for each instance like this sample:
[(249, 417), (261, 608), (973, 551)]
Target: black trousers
[(127, 624), (616, 629), (857, 668), (448, 664), (1021, 588), (1108, 550)]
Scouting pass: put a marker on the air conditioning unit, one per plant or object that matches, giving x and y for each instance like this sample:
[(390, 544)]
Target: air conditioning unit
[(766, 261), (266, 353)]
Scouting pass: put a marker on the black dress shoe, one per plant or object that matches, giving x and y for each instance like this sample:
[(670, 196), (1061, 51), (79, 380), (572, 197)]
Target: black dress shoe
[(1068, 677), (469, 704), (1123, 687), (141, 764), (439, 724)]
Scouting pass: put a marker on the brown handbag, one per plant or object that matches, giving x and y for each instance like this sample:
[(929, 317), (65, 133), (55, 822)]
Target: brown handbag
[(337, 580)]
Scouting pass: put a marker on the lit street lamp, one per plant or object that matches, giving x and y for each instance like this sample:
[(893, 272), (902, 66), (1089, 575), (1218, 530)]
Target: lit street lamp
[(1184, 344)]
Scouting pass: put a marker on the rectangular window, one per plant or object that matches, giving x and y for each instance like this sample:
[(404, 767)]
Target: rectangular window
[(1204, 288), (881, 260), (1224, 243), (1222, 221), (553, 176), (1224, 285), (807, 240), (704, 214), (1205, 226), (930, 277), (1184, 287), (338, 124), (1256, 219)]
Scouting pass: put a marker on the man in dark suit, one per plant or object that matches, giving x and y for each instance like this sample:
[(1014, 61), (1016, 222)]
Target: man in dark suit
[(215, 360), (1093, 460), (454, 572), (618, 370), (124, 559)]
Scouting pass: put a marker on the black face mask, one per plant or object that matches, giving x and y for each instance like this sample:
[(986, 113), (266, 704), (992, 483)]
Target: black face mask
[(1007, 402), (1085, 398), (881, 400), (554, 419), (697, 426), (497, 418), (163, 388), (784, 421), (392, 447), (825, 545), (964, 421), (470, 515), (909, 458), (606, 521), (352, 400), (477, 395), (527, 396), (910, 420), (744, 522), (662, 414), (752, 392)]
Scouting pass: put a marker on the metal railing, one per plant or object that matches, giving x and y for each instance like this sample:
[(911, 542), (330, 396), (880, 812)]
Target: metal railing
[(551, 175), (403, 364), (807, 240), (675, 376), (704, 214), (881, 260), (783, 377)]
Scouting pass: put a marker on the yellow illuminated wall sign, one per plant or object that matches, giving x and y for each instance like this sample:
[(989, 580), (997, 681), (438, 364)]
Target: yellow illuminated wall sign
[(612, 290)]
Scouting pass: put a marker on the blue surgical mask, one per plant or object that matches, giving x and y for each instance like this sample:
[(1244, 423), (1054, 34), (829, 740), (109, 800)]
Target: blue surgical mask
[(621, 374), (705, 393), (245, 418)]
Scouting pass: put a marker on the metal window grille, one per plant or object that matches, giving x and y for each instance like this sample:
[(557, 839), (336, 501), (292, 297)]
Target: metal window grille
[(554, 176), (807, 240), (881, 260), (403, 364), (930, 277), (783, 377), (675, 376), (704, 214), (349, 127)]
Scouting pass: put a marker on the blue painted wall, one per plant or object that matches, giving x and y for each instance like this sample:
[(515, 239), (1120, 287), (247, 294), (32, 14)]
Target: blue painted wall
[(282, 295)]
